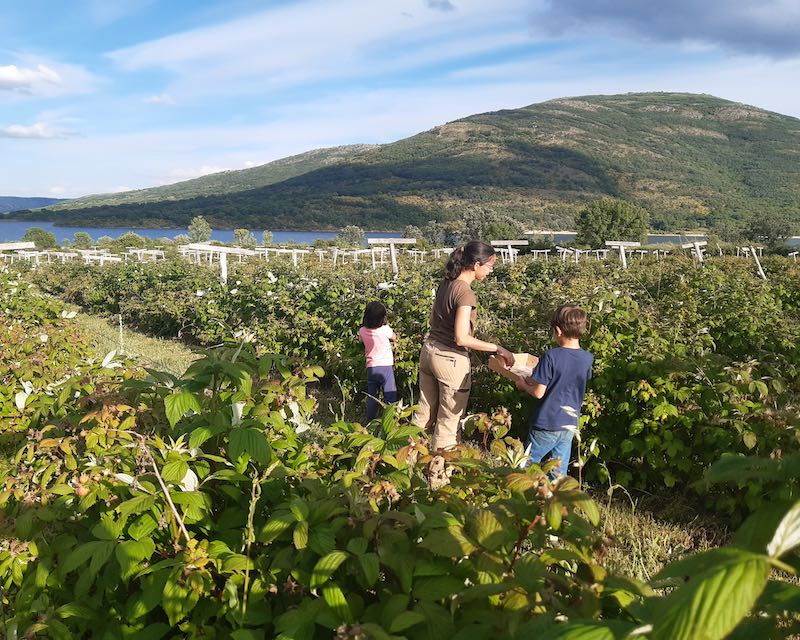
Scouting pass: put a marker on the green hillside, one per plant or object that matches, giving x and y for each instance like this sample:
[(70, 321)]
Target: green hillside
[(692, 160), (15, 203)]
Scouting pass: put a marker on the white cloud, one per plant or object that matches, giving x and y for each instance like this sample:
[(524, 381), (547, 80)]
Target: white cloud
[(24, 79), (35, 76), (163, 98), (57, 191), (105, 12), (315, 40), (40, 130)]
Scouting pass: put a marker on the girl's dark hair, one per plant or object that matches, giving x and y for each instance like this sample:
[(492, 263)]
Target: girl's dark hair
[(374, 315), (466, 256)]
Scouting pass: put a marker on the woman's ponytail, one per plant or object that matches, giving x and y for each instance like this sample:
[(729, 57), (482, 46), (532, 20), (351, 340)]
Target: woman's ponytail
[(453, 267), (466, 256)]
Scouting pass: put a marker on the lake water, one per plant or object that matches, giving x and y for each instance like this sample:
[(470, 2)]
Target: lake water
[(11, 230)]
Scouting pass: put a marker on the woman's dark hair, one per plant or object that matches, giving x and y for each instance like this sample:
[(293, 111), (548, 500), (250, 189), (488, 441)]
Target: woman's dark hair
[(374, 315), (466, 256)]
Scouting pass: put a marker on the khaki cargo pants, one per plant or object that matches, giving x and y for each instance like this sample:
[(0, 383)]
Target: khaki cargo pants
[(444, 384)]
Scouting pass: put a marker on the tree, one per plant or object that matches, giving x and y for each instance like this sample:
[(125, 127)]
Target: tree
[(43, 239), (131, 239), (611, 219), (82, 240), (412, 231), (243, 238), (771, 230), (351, 236), (181, 238), (266, 238), (480, 223), (441, 234), (199, 230)]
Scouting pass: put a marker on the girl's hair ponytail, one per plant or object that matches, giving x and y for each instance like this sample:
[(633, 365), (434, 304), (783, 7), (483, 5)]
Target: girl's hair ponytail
[(466, 256)]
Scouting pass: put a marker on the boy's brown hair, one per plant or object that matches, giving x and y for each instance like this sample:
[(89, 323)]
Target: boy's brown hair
[(571, 319)]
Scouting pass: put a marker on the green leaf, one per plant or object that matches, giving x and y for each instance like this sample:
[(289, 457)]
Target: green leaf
[(552, 512), (177, 404), (713, 602), (521, 482), (450, 542), (787, 535), (326, 566), (177, 600), (175, 470), (154, 631), (251, 441), (275, 526), (247, 634), (300, 535), (76, 610), (590, 630), (142, 526), (489, 532), (437, 587), (201, 434), (370, 566), (335, 599), (131, 553), (135, 505), (406, 620), (757, 531)]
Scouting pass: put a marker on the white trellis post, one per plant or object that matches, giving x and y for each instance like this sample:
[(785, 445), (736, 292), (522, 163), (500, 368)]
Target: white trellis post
[(621, 245), (509, 245), (697, 249), (793, 255), (223, 267), (222, 253), (392, 242), (754, 253)]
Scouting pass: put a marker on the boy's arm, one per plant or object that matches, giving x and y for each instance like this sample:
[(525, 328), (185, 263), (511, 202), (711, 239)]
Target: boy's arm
[(543, 371), (529, 385)]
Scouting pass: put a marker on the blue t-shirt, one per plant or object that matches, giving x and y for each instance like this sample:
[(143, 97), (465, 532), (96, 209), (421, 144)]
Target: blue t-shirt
[(564, 372)]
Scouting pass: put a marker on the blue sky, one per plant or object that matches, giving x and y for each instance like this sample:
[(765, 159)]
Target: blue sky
[(109, 95)]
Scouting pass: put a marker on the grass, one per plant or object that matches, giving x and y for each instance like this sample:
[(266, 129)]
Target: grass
[(648, 533), (157, 353)]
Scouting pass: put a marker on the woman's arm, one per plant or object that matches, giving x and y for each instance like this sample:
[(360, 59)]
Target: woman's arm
[(464, 339)]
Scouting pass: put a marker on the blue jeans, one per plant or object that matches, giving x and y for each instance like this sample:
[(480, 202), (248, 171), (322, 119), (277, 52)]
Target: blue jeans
[(557, 443), (379, 379)]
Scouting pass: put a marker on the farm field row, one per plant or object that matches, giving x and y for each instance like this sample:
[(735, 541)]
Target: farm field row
[(690, 363), (140, 504)]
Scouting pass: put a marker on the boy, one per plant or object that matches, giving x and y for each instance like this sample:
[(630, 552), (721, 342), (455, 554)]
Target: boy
[(559, 380)]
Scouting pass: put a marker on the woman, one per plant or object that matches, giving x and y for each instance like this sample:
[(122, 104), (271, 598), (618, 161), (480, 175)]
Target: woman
[(444, 372)]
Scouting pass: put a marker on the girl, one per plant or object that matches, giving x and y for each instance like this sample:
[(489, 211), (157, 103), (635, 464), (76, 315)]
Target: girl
[(444, 372), (377, 336)]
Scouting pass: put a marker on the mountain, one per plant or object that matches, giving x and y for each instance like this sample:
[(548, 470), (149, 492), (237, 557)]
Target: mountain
[(692, 160), (13, 203)]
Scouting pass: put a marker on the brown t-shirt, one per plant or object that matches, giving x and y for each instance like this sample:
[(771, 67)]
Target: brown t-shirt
[(450, 295)]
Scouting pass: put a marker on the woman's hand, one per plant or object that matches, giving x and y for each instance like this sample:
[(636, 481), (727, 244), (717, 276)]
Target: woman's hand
[(506, 356)]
